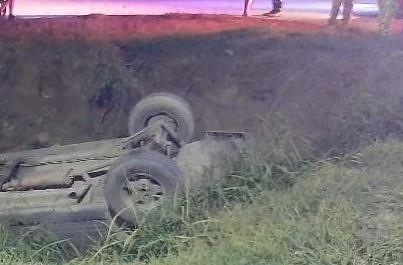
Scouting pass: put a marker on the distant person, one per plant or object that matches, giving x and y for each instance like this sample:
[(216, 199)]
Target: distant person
[(387, 11), (277, 5), (7, 4), (3, 10), (347, 9)]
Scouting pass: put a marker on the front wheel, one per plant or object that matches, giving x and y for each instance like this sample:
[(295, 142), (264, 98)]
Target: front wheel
[(138, 183)]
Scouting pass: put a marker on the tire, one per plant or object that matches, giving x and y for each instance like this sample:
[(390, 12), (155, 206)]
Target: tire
[(166, 104), (124, 190)]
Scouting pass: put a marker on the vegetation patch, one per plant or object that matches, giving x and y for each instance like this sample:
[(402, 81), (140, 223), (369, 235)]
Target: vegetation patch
[(329, 215)]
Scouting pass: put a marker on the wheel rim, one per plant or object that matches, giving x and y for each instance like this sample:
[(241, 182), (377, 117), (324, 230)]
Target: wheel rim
[(141, 193)]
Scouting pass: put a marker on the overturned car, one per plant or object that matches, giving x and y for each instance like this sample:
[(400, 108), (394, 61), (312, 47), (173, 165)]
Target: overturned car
[(77, 188)]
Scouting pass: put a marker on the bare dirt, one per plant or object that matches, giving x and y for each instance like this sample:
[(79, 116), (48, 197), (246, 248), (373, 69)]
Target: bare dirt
[(74, 79)]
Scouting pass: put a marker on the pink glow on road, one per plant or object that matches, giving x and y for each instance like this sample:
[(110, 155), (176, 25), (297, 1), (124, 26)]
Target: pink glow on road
[(146, 7), (123, 7), (154, 7), (75, 7)]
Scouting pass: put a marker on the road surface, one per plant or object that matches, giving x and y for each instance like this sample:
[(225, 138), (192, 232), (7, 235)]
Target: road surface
[(153, 7)]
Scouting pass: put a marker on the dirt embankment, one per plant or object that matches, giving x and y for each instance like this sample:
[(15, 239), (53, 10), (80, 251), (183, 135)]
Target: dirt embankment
[(330, 90)]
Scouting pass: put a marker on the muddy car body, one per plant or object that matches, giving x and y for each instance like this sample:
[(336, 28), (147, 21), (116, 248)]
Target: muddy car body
[(80, 186)]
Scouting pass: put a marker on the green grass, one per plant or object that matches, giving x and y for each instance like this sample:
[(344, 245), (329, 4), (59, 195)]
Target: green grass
[(284, 206), (326, 216)]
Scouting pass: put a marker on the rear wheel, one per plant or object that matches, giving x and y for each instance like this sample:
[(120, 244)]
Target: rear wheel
[(138, 184), (173, 109)]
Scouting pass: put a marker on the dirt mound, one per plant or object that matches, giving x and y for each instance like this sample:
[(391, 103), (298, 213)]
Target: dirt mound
[(61, 92), (106, 28), (328, 92)]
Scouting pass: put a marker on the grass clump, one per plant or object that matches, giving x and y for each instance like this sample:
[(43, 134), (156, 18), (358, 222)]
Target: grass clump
[(329, 213), (322, 219), (30, 246)]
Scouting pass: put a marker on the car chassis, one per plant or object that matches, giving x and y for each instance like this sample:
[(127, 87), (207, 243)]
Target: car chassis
[(115, 178)]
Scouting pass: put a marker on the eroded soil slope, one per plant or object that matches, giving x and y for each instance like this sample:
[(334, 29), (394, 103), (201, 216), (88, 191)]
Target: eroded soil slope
[(327, 90)]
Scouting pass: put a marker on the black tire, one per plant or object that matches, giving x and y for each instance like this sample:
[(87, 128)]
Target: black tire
[(166, 104), (149, 166)]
